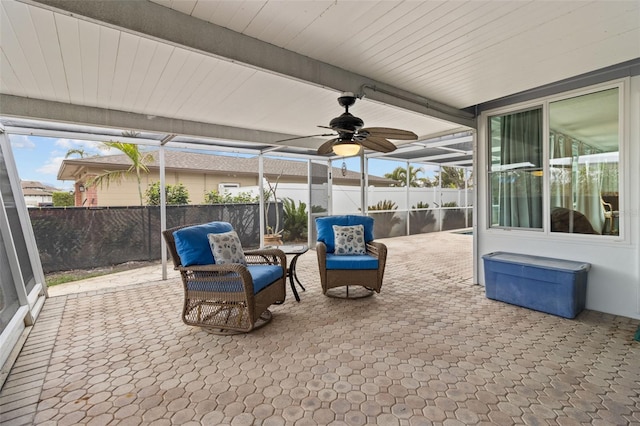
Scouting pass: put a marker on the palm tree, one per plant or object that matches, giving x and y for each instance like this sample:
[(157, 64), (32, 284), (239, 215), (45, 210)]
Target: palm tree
[(76, 151), (139, 161), (449, 177), (452, 177), (399, 174)]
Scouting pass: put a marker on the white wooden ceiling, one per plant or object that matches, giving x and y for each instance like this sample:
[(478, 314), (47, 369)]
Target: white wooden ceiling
[(461, 53), (457, 53)]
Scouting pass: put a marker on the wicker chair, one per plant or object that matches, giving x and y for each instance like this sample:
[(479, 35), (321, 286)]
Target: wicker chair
[(221, 298), (364, 271)]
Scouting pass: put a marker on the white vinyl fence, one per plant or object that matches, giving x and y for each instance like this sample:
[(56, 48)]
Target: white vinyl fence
[(346, 200)]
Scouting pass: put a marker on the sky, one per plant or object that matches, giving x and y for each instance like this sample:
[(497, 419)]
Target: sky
[(39, 159)]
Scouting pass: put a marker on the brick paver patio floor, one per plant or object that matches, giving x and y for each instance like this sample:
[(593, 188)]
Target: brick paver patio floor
[(429, 349)]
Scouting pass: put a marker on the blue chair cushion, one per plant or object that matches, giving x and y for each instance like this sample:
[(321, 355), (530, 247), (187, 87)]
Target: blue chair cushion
[(358, 261), (192, 243), (324, 226), (262, 276)]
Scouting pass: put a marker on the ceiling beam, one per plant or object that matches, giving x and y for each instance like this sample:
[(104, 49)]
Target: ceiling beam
[(434, 158), (39, 109), (445, 142), (459, 163), (163, 24)]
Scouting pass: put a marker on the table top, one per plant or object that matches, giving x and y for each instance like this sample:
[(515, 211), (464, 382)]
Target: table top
[(292, 248)]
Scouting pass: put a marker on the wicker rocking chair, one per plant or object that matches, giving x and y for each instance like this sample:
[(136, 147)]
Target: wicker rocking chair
[(222, 297), (364, 271)]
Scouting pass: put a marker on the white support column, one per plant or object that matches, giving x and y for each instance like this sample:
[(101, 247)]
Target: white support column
[(442, 211), (364, 183), (163, 211), (408, 196), (309, 216), (329, 187), (466, 198), (261, 191)]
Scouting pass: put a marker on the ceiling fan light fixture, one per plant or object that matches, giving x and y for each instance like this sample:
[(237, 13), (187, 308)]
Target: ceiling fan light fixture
[(346, 148)]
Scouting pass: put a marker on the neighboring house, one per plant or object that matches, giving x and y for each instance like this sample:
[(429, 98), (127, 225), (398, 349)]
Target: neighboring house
[(37, 194), (199, 173)]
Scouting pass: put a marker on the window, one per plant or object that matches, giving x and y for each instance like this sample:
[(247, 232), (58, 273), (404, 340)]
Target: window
[(516, 169), (582, 165), (222, 187)]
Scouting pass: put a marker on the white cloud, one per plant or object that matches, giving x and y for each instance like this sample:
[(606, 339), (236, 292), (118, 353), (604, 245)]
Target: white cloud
[(51, 167), (21, 142), (66, 143), (77, 144)]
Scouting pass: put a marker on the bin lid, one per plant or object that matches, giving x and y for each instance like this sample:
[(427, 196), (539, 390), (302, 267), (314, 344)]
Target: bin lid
[(543, 262)]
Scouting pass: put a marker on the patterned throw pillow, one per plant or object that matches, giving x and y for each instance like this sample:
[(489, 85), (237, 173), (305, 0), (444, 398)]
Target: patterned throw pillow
[(226, 248), (349, 240)]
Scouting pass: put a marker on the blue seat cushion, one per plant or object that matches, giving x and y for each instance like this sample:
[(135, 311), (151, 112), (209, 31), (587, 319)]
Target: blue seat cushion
[(354, 262), (192, 243), (262, 276), (324, 226)]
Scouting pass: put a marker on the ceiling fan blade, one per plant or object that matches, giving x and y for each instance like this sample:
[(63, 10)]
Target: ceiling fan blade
[(389, 133), (377, 144), (337, 129), (327, 147), (304, 137)]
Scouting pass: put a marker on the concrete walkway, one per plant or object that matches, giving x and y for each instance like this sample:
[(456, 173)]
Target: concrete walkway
[(119, 279), (429, 349)]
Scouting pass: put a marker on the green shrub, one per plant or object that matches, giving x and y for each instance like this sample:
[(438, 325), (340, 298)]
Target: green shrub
[(214, 197), (63, 199), (317, 209), (421, 221), (453, 218), (295, 220), (384, 221), (175, 194)]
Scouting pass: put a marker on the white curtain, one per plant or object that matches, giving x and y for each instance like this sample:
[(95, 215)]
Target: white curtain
[(576, 180)]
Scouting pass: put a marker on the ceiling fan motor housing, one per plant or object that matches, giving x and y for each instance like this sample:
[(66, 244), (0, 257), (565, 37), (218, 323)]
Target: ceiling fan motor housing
[(346, 122), (347, 99)]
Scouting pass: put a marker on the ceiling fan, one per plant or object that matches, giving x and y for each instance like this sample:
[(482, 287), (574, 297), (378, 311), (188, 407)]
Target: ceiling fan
[(351, 136)]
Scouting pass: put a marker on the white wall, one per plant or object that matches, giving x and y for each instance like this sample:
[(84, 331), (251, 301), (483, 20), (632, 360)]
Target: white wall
[(614, 280), (37, 200)]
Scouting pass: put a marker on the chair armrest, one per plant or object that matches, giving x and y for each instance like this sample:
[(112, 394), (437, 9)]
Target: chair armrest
[(321, 251), (204, 273), (227, 267), (270, 256), (377, 249)]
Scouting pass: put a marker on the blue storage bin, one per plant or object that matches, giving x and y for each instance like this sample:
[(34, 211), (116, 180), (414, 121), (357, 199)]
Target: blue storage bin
[(554, 286)]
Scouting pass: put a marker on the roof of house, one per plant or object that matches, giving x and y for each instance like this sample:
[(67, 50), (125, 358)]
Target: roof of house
[(196, 162), (32, 187)]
